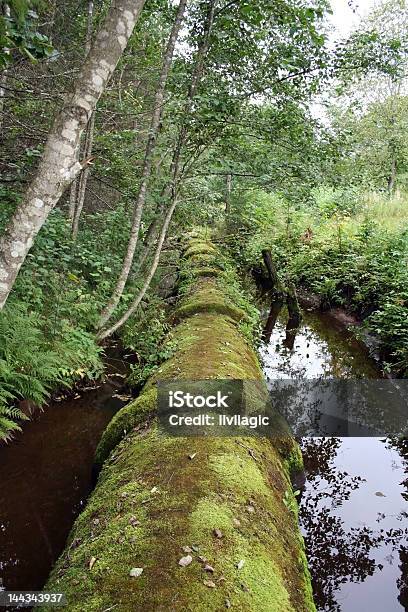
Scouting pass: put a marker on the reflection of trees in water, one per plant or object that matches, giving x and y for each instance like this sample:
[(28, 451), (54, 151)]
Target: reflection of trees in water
[(336, 554), (401, 445), (402, 582)]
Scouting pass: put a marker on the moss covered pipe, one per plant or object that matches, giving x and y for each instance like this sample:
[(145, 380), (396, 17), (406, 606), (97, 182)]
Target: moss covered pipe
[(189, 523)]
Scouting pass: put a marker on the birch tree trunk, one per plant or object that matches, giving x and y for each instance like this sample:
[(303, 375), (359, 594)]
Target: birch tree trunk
[(393, 173), (78, 187), (3, 77), (75, 187), (176, 163), (146, 170), (108, 332), (83, 178), (228, 182), (58, 165)]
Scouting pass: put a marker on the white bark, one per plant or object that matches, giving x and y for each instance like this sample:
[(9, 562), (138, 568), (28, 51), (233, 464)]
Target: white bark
[(228, 181), (72, 199), (3, 77), (78, 186), (139, 297), (146, 170), (84, 176), (59, 166)]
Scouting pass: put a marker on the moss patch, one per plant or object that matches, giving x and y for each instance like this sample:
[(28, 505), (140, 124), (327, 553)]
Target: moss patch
[(206, 298), (206, 271), (152, 500), (200, 247), (136, 413)]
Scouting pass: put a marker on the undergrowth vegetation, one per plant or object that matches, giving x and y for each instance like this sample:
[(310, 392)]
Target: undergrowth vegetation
[(47, 329), (349, 249)]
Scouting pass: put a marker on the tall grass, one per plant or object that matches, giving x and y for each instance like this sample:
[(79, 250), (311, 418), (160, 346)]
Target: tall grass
[(390, 212)]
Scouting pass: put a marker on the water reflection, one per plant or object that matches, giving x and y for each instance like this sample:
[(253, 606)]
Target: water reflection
[(351, 543), (401, 445), (271, 320), (353, 508)]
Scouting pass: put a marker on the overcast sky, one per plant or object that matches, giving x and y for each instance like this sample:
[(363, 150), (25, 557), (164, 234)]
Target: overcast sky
[(344, 19)]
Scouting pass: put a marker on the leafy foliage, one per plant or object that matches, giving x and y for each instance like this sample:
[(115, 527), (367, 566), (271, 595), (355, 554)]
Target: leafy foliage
[(254, 154), (148, 338), (18, 32), (31, 364)]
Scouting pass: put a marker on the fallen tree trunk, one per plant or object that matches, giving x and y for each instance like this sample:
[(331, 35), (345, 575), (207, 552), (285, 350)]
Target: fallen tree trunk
[(224, 505)]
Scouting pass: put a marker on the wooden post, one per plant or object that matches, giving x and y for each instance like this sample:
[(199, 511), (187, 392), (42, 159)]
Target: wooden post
[(295, 315), (276, 286)]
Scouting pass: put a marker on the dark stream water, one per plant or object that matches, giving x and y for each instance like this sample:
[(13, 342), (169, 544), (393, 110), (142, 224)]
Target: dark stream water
[(45, 478), (354, 506)]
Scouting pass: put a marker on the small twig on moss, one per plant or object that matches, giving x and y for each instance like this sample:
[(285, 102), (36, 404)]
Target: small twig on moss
[(249, 449)]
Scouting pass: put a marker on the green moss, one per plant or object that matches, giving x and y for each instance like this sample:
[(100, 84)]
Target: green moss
[(124, 421), (151, 500), (199, 248), (292, 455), (258, 585), (240, 473), (197, 306), (206, 298), (209, 346), (304, 570), (205, 259), (206, 271)]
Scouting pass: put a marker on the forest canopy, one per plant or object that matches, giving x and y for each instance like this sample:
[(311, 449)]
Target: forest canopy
[(126, 124)]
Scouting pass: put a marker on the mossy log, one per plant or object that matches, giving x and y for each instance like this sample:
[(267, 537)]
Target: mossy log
[(229, 500)]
